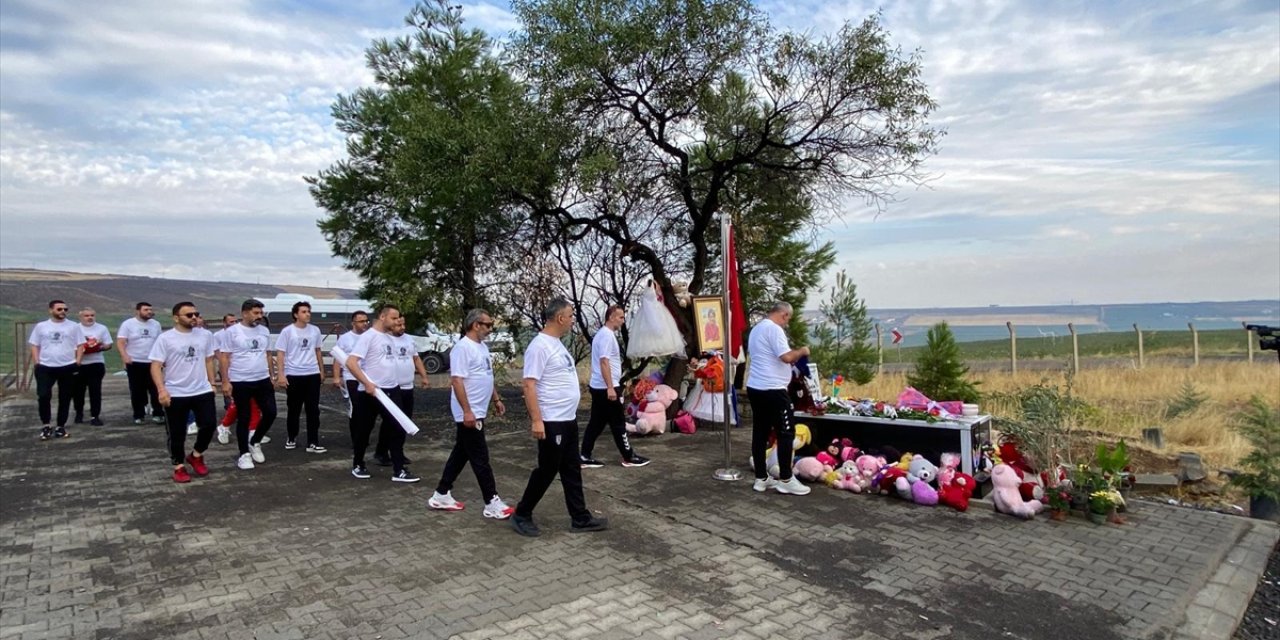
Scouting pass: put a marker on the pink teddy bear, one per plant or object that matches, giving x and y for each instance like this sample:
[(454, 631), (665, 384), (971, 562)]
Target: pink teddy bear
[(1005, 481), (863, 469), (653, 419)]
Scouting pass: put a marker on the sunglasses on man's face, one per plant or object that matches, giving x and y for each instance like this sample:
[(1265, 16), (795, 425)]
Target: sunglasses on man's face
[(193, 314), (63, 309)]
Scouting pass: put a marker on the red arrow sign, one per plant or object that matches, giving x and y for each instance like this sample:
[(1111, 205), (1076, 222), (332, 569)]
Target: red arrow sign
[(897, 336)]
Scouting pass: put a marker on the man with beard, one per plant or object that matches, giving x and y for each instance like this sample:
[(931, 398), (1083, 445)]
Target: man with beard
[(135, 338), (182, 370), (372, 362), (245, 360), (56, 349), (93, 367)]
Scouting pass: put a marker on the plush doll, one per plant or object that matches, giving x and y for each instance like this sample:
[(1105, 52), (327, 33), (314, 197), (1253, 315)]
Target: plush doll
[(1030, 486), (809, 469), (954, 487), (653, 414), (1005, 481), (802, 437), (847, 477), (920, 475), (681, 288), (827, 459)]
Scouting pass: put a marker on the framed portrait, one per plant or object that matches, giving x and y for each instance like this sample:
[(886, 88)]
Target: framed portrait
[(708, 313)]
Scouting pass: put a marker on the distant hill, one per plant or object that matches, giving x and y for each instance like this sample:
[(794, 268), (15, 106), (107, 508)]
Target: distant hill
[(31, 290)]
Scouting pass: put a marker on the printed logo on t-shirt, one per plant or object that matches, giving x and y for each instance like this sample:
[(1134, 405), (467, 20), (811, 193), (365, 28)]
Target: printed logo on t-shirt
[(57, 336), (253, 344), (191, 354), (388, 347), (403, 352), (146, 332), (304, 342), (557, 440), (568, 360)]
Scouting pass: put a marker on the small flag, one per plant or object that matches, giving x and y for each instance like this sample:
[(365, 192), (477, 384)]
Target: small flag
[(897, 336)]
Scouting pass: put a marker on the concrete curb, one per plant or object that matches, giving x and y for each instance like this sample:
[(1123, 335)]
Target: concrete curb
[(1219, 606)]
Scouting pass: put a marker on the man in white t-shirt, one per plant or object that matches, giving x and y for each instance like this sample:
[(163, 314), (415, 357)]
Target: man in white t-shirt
[(300, 370), (342, 378), (135, 337), (408, 365), (551, 394), (182, 370), (471, 379), (57, 345), (224, 428), (246, 367), (372, 362), (606, 394), (93, 367), (768, 375)]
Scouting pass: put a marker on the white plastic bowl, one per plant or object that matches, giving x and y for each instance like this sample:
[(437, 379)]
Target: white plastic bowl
[(969, 410)]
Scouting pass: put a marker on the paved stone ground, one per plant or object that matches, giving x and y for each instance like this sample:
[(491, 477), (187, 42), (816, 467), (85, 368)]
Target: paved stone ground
[(96, 542)]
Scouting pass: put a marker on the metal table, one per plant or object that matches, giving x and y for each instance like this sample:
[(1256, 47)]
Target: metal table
[(963, 435)]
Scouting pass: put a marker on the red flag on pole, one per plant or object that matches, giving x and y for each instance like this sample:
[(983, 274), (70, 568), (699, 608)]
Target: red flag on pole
[(897, 336), (738, 316)]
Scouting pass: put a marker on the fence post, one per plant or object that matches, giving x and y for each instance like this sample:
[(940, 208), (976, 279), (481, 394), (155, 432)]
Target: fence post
[(1013, 348), (1075, 348), (1195, 343), (879, 352), (1248, 339), (1142, 359)]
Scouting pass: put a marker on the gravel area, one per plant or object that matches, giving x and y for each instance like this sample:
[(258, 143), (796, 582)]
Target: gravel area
[(1262, 619)]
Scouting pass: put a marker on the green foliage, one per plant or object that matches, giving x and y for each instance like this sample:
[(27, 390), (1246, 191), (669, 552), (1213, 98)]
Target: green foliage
[(939, 371), (844, 334), (1047, 422), (1259, 423), (1188, 400)]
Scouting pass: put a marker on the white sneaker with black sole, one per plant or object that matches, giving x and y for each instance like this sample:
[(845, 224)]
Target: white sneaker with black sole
[(315, 448), (405, 475), (291, 444)]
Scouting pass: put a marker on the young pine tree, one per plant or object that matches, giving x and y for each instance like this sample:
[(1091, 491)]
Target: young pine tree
[(843, 336), (939, 372)]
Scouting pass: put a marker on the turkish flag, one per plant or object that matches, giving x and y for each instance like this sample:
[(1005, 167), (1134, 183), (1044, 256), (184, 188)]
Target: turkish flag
[(738, 316), (897, 336)]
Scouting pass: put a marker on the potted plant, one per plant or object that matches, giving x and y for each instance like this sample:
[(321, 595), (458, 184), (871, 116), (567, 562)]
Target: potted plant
[(1101, 506), (1259, 423), (1059, 499), (1113, 464)]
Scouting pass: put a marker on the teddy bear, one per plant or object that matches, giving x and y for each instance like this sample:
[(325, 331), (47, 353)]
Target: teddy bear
[(652, 417), (809, 469), (801, 438), (955, 488), (855, 475), (681, 288), (1004, 493), (920, 476)]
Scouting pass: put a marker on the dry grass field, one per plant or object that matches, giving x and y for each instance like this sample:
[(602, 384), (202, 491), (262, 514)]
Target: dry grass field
[(1127, 400)]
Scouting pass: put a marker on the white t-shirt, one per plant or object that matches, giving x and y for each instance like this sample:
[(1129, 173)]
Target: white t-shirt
[(299, 347), (375, 351), (140, 336), (347, 342), (547, 361), (98, 332), (402, 347), (247, 348), (217, 339), (605, 345), (470, 361), (184, 356), (764, 368), (57, 342)]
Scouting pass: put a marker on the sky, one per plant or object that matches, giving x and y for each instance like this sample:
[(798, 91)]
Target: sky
[(1094, 152)]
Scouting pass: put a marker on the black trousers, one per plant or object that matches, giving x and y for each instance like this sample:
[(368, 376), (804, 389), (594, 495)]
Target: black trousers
[(261, 392), (303, 392), (771, 413), (205, 409), (89, 378), (46, 377), (469, 446), (366, 411), (388, 429), (557, 453), (606, 412), (141, 389)]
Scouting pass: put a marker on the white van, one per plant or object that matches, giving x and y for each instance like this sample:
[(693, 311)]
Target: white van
[(333, 318)]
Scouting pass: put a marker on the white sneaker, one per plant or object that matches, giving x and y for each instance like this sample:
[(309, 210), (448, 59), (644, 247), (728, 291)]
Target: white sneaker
[(192, 429), (444, 502), (245, 461), (498, 509), (255, 450), (792, 487), (266, 439), (764, 484), (224, 435), (315, 448)]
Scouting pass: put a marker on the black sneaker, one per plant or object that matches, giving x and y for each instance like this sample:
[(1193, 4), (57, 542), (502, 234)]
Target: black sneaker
[(382, 460), (96, 421), (594, 524), (636, 460), (61, 432), (405, 475), (525, 526), (360, 472), (46, 433), (591, 463), (79, 418)]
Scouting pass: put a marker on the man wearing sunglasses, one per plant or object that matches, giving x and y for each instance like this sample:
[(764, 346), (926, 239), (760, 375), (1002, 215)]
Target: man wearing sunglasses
[(56, 347), (182, 370), (135, 338), (93, 367)]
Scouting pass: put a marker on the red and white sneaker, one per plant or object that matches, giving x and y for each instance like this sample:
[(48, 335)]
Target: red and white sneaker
[(197, 465), (444, 502), (180, 475), (498, 509)]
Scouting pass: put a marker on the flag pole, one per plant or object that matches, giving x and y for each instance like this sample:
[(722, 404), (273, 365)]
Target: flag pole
[(727, 472)]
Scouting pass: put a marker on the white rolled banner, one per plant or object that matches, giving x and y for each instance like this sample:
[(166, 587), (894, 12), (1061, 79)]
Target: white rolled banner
[(391, 407)]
